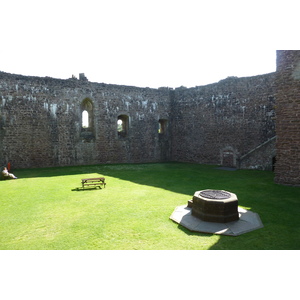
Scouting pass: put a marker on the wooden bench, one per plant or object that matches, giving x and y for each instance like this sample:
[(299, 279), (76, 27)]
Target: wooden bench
[(93, 182)]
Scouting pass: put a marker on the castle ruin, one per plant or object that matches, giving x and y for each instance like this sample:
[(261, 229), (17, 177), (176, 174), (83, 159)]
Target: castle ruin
[(47, 122)]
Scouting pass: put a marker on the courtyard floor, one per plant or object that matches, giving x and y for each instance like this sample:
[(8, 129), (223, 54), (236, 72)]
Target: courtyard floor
[(47, 208)]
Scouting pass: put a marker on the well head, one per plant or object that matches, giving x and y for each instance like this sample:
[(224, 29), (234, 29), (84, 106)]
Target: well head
[(215, 206)]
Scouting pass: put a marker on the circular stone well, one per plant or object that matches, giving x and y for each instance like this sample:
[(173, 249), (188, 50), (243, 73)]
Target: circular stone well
[(215, 206)]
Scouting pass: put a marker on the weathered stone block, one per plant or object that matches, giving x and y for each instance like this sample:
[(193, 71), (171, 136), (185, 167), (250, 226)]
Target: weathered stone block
[(215, 210)]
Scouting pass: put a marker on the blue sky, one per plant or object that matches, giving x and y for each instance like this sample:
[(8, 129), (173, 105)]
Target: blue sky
[(144, 43)]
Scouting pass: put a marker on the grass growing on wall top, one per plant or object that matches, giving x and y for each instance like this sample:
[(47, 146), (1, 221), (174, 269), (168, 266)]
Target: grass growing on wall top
[(44, 210)]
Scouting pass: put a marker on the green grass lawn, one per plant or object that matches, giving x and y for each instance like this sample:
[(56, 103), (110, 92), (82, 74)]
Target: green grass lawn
[(44, 210)]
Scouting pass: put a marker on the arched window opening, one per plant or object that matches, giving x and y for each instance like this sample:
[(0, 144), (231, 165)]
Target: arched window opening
[(122, 125), (87, 113), (162, 126), (85, 119)]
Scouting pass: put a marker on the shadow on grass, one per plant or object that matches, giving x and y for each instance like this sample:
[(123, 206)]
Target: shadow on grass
[(192, 233), (85, 189), (53, 171), (176, 177), (182, 178), (276, 205)]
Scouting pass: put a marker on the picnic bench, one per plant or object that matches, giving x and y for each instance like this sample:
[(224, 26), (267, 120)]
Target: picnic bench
[(93, 182)]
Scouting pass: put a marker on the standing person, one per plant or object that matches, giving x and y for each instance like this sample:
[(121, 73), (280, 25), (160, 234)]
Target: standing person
[(7, 175)]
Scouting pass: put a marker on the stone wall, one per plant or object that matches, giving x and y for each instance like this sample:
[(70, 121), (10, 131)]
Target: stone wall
[(41, 122), (263, 157), (287, 169), (221, 122)]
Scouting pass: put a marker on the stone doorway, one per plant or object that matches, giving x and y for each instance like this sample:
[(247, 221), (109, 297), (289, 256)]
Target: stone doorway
[(228, 157)]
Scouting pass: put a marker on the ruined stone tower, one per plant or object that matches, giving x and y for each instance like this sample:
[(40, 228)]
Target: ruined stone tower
[(287, 170)]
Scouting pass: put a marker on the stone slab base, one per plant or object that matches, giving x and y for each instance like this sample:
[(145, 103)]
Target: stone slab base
[(248, 221)]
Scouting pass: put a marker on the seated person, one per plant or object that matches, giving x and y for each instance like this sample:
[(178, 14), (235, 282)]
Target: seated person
[(7, 175)]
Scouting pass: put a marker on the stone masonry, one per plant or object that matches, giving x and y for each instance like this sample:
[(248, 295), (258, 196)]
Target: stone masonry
[(287, 169), (41, 122), (229, 123), (221, 122), (41, 119)]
